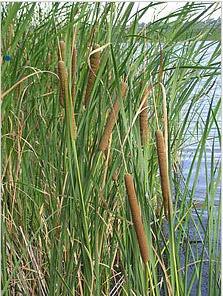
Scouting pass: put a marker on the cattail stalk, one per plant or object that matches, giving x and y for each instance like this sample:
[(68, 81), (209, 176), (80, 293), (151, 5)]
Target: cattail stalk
[(165, 123), (136, 217), (62, 51), (160, 75), (112, 118), (164, 176), (61, 57), (94, 66), (143, 118), (74, 65), (68, 102), (63, 77)]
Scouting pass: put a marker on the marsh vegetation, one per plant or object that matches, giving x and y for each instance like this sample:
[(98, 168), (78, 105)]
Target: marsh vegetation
[(96, 112)]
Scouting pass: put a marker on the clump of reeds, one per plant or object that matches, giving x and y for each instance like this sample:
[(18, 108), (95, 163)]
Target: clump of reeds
[(136, 217), (143, 118), (93, 68), (74, 65), (112, 117), (164, 176)]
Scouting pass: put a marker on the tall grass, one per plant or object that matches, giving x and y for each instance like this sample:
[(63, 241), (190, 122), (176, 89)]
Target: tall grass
[(66, 222)]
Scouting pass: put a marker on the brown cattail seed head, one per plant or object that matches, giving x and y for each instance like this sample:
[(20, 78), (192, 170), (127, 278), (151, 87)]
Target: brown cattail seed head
[(112, 118), (164, 176), (136, 217), (63, 75), (143, 118), (94, 66), (61, 50), (62, 72)]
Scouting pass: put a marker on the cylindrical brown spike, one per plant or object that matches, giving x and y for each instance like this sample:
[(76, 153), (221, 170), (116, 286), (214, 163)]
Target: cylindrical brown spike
[(136, 217), (112, 117), (164, 176), (63, 75), (66, 98), (61, 57), (94, 66), (62, 51)]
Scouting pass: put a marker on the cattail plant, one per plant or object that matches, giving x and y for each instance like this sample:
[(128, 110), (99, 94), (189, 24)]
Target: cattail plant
[(136, 217), (62, 72), (143, 118), (74, 64), (164, 176), (61, 57), (63, 75), (160, 74), (112, 118), (165, 121), (94, 66), (62, 51)]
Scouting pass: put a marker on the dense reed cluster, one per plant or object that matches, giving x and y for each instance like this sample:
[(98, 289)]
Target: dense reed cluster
[(96, 109)]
